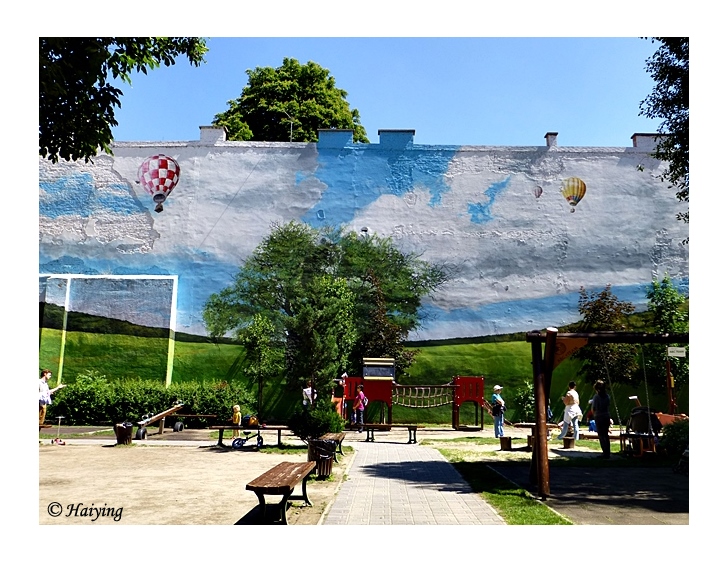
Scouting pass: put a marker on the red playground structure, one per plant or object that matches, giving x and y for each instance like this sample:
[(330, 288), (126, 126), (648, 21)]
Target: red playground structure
[(379, 386)]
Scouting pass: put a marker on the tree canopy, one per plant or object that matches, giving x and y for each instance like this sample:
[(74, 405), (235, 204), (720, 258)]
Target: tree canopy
[(610, 362), (77, 99), (669, 314), (331, 295), (669, 101), (291, 102)]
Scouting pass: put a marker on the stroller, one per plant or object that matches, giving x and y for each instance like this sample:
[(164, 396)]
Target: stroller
[(642, 432)]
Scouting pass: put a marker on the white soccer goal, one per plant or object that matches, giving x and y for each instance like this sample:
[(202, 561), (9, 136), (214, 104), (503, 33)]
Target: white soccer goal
[(149, 301)]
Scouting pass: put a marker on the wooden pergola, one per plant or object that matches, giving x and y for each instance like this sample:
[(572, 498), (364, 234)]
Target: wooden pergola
[(558, 347)]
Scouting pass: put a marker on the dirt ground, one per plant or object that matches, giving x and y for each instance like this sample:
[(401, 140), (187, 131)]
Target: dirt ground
[(147, 484), (199, 483)]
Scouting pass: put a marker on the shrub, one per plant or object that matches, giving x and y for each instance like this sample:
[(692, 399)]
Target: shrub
[(524, 404), (312, 423), (675, 437), (93, 400), (84, 402)]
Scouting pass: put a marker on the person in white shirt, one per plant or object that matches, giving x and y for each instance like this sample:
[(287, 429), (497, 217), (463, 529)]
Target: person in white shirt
[(308, 394), (572, 411), (45, 394)]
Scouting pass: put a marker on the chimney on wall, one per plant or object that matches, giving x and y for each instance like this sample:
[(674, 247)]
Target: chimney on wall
[(396, 138), (334, 138), (645, 141), (551, 139), (211, 134)]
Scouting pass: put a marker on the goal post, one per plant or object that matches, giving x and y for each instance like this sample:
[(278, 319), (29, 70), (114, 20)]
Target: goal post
[(148, 301)]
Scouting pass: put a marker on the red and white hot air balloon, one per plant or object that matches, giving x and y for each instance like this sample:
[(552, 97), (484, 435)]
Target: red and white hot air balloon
[(158, 175)]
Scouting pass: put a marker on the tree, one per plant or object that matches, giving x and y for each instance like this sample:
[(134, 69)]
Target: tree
[(297, 270), (381, 337), (321, 335), (669, 100), (669, 315), (291, 102), (76, 102), (610, 362), (262, 354)]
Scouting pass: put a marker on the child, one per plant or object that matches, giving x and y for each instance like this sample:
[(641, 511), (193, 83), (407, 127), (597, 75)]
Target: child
[(236, 420)]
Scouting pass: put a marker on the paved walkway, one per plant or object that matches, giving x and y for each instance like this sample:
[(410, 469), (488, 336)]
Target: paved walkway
[(403, 484)]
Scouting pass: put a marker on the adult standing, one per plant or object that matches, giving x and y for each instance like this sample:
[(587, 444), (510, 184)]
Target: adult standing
[(359, 404), (45, 394), (572, 411), (308, 394), (498, 411), (602, 416)]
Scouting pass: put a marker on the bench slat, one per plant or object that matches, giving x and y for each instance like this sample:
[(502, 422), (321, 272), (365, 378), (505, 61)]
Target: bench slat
[(282, 478)]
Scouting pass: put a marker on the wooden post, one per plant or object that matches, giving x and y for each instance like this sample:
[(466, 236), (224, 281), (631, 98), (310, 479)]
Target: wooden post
[(537, 352)]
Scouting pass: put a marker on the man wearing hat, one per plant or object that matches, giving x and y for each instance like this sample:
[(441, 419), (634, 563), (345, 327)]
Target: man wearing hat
[(498, 411)]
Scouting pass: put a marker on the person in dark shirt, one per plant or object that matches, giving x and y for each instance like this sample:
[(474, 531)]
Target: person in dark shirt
[(602, 416)]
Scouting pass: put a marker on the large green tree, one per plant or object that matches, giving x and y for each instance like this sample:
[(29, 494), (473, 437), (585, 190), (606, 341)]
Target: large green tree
[(669, 314), (77, 99), (286, 274), (610, 362), (669, 101), (263, 356), (291, 102)]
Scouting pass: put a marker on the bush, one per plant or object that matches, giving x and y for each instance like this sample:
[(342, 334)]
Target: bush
[(83, 402), (675, 437), (315, 422), (93, 400), (524, 403)]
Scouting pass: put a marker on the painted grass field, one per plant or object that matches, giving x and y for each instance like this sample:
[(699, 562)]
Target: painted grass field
[(507, 363)]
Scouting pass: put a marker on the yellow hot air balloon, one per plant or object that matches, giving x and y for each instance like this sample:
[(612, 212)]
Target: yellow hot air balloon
[(573, 190)]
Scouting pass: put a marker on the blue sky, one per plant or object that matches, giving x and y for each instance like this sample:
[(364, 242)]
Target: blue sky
[(451, 90)]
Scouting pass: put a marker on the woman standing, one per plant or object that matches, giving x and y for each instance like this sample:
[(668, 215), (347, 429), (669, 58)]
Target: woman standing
[(572, 411), (359, 404), (602, 416)]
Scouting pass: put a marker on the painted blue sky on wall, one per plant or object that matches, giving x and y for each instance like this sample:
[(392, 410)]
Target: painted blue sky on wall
[(469, 205)]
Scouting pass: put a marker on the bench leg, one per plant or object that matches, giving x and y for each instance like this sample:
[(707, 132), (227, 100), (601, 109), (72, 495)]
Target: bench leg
[(280, 440), (412, 435), (369, 435), (219, 440), (281, 508), (304, 495)]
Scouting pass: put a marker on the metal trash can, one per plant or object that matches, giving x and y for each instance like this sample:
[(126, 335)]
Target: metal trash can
[(321, 451), (123, 433)]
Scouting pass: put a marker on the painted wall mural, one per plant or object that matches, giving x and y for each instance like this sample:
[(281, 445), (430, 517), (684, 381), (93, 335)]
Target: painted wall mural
[(498, 215)]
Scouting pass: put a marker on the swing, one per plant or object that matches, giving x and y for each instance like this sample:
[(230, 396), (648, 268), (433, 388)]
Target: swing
[(641, 434)]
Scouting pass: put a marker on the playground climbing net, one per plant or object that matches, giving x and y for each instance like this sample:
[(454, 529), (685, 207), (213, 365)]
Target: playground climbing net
[(423, 396)]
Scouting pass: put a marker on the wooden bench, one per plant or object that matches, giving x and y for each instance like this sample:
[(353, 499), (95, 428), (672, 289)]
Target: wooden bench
[(371, 428), (338, 439), (281, 480), (223, 428)]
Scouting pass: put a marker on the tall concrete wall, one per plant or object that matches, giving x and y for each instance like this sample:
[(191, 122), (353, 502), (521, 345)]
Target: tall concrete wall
[(495, 214)]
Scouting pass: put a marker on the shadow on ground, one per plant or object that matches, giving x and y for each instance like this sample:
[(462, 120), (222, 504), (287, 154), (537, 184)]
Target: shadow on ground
[(614, 496)]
